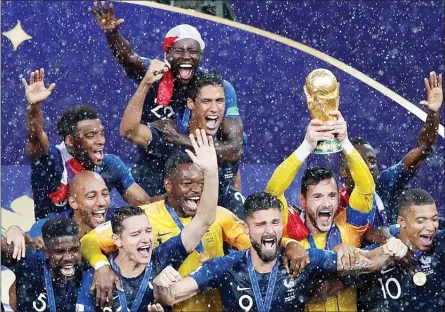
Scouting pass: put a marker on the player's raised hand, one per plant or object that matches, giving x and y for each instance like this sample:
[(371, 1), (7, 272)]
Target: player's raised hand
[(36, 92), (318, 131), (205, 154), (16, 237), (340, 128), (434, 92), (105, 16), (155, 71)]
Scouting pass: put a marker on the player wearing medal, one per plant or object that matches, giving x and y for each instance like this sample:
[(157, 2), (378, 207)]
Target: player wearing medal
[(319, 200), (255, 279), (82, 148), (206, 104), (166, 101), (391, 182), (137, 261), (391, 289), (184, 192), (46, 280)]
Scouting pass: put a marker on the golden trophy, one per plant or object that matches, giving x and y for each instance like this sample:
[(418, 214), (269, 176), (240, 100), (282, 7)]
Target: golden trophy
[(323, 97)]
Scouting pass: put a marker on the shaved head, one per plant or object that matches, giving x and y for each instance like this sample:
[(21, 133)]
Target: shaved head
[(82, 179), (90, 199)]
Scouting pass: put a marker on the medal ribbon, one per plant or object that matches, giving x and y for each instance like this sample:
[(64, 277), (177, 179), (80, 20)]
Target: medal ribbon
[(141, 290), (172, 212), (262, 306), (49, 287)]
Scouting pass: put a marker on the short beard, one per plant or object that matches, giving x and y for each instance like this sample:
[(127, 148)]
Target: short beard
[(269, 257)]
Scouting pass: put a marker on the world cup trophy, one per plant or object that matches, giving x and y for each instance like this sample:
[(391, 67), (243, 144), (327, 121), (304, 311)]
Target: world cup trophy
[(323, 98)]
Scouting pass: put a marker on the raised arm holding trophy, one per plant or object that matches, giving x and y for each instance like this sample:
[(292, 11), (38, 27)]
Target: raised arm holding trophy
[(323, 96)]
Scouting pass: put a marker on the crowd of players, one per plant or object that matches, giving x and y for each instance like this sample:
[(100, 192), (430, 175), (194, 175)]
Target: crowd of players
[(188, 240)]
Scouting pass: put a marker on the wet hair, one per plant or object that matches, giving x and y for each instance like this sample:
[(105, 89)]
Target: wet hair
[(176, 159), (67, 123), (57, 227), (121, 214), (203, 79), (413, 197), (355, 141), (260, 201), (313, 176)]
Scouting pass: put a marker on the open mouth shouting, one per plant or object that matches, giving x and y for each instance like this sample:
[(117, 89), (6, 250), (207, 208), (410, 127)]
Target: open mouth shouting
[(99, 215), (269, 244), (191, 202), (144, 251), (426, 240), (324, 216), (98, 155), (212, 122), (68, 270), (185, 71)]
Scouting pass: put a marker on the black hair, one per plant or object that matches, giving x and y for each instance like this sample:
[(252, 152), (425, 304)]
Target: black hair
[(121, 214), (355, 141), (176, 159), (203, 79), (57, 227), (313, 176), (260, 201), (67, 122), (413, 197)]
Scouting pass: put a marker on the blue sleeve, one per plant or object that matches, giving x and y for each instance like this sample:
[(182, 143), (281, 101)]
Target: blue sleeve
[(36, 229), (357, 218), (48, 168), (84, 299), (232, 110), (172, 252), (213, 271), (122, 178), (441, 223), (322, 259), (394, 230)]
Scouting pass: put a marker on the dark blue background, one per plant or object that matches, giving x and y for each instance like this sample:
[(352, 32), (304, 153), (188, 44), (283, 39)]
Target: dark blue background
[(395, 43)]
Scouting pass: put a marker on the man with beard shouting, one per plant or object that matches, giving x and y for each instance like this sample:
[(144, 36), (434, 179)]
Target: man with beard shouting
[(255, 279), (319, 199)]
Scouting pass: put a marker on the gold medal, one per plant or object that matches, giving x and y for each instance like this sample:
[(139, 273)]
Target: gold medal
[(203, 257), (419, 278)]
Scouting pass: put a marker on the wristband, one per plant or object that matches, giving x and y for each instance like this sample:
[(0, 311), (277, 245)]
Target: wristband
[(101, 264), (303, 151), (347, 146), (290, 241)]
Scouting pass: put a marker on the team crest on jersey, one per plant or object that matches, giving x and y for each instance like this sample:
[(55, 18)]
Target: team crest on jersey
[(290, 289)]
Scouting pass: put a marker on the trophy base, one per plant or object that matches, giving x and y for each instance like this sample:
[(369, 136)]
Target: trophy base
[(328, 147)]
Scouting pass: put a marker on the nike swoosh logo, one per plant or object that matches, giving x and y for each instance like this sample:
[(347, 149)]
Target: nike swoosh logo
[(386, 271), (240, 289), (162, 234)]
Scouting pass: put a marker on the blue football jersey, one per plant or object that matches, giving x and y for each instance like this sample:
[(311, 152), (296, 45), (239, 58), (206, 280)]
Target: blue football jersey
[(172, 252), (390, 289), (230, 276)]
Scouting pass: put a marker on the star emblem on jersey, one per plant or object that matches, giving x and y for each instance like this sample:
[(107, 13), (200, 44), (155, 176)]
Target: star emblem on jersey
[(17, 35)]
